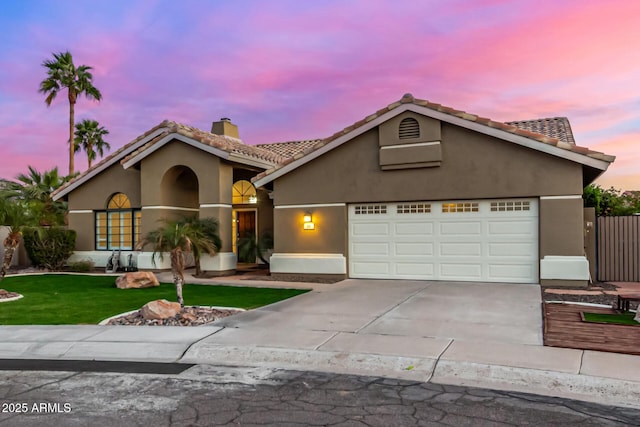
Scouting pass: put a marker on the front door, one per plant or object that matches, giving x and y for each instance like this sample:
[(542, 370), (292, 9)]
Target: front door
[(245, 229)]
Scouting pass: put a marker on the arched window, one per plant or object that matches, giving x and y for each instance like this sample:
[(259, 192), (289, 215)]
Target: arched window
[(244, 192), (409, 128), (118, 227)]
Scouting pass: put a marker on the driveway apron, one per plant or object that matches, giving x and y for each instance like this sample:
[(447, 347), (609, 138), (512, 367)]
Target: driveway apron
[(486, 312)]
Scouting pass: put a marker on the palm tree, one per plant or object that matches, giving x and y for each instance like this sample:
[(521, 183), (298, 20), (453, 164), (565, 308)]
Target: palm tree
[(207, 229), (89, 135), (13, 216), (178, 237), (62, 73), (33, 191)]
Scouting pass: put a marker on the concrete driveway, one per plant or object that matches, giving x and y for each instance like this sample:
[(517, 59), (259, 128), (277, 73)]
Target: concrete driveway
[(366, 309)]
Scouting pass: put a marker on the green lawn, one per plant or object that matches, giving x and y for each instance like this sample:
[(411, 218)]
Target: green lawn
[(618, 318), (78, 299)]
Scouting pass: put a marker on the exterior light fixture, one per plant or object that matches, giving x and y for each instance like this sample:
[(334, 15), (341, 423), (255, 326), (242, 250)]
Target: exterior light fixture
[(308, 222), (253, 199)]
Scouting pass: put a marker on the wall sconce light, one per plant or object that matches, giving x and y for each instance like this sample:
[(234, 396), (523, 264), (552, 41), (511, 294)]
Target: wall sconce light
[(253, 199), (308, 222)]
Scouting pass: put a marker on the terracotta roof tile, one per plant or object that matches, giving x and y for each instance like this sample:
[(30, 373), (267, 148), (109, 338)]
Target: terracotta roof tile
[(555, 127), (222, 142), (290, 148)]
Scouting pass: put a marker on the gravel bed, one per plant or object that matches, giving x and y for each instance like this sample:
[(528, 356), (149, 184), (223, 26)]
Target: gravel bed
[(600, 298), (189, 316)]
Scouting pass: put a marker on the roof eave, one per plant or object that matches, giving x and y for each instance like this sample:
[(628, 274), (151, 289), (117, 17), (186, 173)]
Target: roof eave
[(250, 161)]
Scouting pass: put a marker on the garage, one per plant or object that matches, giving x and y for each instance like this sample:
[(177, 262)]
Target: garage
[(468, 240)]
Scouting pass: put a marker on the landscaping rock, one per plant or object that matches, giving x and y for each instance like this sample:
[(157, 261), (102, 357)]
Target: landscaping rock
[(137, 280), (4, 294), (189, 316), (637, 318), (160, 309)]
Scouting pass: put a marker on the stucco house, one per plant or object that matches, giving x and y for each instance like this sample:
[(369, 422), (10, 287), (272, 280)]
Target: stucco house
[(414, 191)]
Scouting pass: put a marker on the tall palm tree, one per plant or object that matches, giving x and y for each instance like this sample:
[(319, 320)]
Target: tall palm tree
[(89, 137), (61, 74), (177, 238)]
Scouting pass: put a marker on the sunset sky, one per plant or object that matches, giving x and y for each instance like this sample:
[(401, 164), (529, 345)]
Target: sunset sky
[(293, 69)]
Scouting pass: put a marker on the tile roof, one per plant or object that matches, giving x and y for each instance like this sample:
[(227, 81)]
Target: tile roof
[(222, 142), (167, 127), (558, 129), (554, 127), (290, 148)]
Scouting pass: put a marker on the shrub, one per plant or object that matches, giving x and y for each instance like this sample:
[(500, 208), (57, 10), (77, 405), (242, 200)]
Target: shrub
[(83, 266), (49, 247)]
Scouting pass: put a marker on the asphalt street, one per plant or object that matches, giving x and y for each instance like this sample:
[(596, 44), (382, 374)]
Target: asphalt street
[(204, 395)]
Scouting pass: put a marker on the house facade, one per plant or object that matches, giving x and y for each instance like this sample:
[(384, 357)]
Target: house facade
[(414, 191)]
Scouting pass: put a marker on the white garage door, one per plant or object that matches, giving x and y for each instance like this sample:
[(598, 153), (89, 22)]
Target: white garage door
[(477, 240)]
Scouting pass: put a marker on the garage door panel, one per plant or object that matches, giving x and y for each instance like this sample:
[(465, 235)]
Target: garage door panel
[(512, 228), (480, 240), (410, 249), (510, 272), (510, 249), (370, 229), (414, 269), (368, 249), (371, 269), (459, 228), (456, 271), (414, 228), (461, 249)]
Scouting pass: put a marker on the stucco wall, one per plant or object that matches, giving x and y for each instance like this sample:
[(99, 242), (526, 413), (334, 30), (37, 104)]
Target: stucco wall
[(474, 166), (95, 195), (329, 236)]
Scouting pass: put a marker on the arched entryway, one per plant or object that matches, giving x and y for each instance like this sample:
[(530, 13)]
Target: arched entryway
[(179, 188)]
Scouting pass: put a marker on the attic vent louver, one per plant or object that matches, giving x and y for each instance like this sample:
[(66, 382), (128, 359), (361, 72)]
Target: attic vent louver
[(409, 128)]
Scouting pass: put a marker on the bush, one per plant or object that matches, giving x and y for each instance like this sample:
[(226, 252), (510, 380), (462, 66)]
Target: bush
[(49, 247), (84, 266)]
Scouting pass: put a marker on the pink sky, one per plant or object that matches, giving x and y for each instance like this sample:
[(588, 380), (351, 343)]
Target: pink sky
[(291, 69)]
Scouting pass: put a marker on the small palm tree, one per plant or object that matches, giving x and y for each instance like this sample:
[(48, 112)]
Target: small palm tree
[(89, 137), (177, 238), (62, 73), (207, 229), (34, 190), (13, 216)]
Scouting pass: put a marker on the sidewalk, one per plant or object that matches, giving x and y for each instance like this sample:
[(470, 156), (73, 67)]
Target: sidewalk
[(384, 332)]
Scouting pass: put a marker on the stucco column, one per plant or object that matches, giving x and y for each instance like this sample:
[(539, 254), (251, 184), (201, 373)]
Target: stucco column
[(562, 260)]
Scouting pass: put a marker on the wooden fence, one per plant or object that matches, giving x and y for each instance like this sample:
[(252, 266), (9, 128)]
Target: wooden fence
[(619, 248)]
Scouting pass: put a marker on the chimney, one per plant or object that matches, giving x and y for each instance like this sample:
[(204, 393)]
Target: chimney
[(225, 127)]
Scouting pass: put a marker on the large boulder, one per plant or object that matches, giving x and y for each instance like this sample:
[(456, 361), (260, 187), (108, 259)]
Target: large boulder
[(136, 280), (637, 318), (160, 309)]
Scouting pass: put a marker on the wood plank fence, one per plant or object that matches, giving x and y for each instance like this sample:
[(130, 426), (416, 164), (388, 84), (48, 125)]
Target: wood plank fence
[(618, 241)]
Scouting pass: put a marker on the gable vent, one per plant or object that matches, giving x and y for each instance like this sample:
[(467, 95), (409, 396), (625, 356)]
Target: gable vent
[(409, 128)]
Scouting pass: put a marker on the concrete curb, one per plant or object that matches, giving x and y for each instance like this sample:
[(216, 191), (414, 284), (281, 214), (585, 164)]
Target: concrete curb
[(401, 367), (578, 386), (589, 388)]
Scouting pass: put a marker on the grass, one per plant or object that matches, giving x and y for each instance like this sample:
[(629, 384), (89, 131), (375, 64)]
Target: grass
[(60, 299), (617, 319)]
